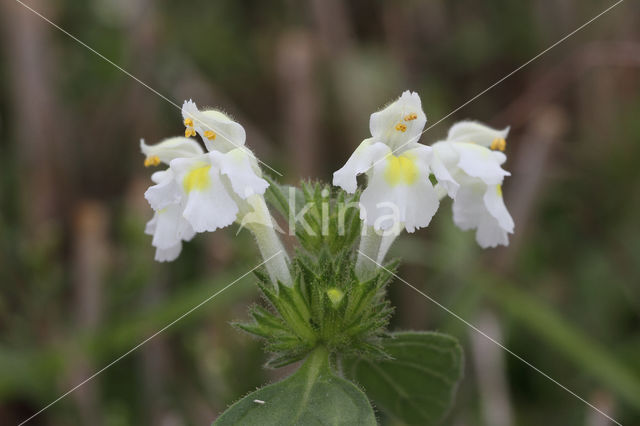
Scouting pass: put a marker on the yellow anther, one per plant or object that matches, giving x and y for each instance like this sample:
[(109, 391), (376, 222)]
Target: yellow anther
[(154, 160), (189, 131), (188, 122), (401, 127), (500, 144), (411, 116), (499, 190), (210, 134)]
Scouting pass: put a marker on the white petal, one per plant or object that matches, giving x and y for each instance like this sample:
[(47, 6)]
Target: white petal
[(150, 227), (490, 234), (169, 229), (210, 208), (480, 162), (366, 154), (471, 211), (423, 153), (384, 203), (161, 175), (495, 205), (440, 165), (185, 230), (474, 132), (190, 111), (229, 134), (441, 191), (167, 224), (171, 148), (400, 123), (236, 165), (500, 157), (468, 206), (181, 166), (168, 254), (165, 192)]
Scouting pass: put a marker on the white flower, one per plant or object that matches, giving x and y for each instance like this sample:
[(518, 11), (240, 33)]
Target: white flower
[(213, 184), (399, 191), (200, 191), (468, 168)]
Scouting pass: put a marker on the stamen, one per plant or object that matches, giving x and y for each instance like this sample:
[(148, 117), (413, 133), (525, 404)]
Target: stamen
[(401, 127), (188, 122), (210, 134), (500, 144), (154, 160), (189, 131), (411, 116)]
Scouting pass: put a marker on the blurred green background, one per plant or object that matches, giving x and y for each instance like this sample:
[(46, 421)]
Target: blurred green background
[(79, 286)]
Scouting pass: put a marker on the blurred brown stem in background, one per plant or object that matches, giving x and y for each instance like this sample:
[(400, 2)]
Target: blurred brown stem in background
[(490, 368), (550, 81), (295, 65), (90, 262), (38, 117)]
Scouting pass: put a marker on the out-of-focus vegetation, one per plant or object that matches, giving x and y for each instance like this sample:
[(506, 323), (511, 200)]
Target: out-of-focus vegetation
[(78, 283)]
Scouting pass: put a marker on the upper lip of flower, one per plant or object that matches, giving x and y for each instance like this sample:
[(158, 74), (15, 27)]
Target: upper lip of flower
[(400, 123), (217, 130)]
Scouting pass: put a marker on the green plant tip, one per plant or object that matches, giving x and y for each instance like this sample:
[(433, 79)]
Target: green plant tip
[(335, 295)]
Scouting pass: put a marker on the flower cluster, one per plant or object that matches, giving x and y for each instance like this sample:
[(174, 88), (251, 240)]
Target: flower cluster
[(204, 190), (466, 167), (200, 191)]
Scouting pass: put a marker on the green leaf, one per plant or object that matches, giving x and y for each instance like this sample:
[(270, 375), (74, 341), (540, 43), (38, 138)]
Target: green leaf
[(418, 384), (313, 395)]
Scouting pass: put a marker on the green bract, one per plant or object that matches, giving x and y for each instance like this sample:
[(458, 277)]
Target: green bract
[(305, 316), (328, 305)]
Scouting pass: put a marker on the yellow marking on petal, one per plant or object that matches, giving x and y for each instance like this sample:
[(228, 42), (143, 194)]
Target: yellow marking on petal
[(189, 131), (197, 179), (401, 170), (335, 295), (210, 134), (188, 122), (401, 127), (412, 116), (499, 190), (499, 144), (153, 160)]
